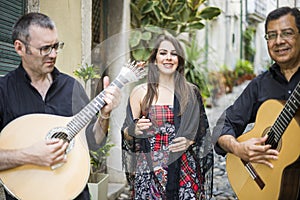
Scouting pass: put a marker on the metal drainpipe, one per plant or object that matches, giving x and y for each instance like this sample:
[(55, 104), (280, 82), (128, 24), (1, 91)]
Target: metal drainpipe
[(241, 30), (206, 40), (206, 44), (227, 35)]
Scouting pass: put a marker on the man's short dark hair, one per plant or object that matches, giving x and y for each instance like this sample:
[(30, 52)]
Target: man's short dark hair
[(279, 12), (21, 27)]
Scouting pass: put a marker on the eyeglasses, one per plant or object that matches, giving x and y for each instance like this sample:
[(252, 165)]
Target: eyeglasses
[(285, 35), (47, 49)]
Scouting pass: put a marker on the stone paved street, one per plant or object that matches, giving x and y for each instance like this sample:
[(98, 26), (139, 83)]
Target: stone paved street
[(222, 189)]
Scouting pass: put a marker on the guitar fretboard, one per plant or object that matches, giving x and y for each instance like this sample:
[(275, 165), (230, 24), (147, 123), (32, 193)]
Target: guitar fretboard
[(284, 118), (131, 72), (81, 119)]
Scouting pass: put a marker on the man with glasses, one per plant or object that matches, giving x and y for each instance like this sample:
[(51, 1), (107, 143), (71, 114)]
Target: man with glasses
[(37, 86), (283, 40), (47, 49)]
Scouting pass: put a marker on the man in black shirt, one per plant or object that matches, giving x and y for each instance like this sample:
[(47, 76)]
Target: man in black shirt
[(37, 86), (283, 40)]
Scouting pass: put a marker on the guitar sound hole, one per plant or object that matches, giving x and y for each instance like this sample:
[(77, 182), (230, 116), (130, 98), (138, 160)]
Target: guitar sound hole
[(61, 135)]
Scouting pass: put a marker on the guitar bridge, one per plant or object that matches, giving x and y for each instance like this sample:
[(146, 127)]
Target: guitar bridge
[(254, 174)]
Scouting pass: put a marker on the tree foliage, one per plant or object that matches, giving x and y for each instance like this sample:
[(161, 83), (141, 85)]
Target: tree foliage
[(151, 18)]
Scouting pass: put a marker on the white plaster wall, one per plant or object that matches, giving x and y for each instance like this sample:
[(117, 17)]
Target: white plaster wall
[(222, 48), (86, 33), (118, 55)]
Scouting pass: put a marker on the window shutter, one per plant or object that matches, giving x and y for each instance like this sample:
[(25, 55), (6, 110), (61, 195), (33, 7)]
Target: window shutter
[(10, 11)]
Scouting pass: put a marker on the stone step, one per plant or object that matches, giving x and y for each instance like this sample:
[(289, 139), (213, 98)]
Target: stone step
[(114, 190)]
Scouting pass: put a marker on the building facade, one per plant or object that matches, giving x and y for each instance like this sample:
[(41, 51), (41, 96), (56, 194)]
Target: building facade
[(236, 17), (94, 32)]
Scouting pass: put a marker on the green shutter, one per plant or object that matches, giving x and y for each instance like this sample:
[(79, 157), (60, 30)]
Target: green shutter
[(10, 11)]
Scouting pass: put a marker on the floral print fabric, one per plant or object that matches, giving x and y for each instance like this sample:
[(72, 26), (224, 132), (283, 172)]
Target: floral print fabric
[(150, 176)]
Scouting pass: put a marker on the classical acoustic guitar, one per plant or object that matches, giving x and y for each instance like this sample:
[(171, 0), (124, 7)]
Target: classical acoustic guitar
[(64, 181), (280, 121)]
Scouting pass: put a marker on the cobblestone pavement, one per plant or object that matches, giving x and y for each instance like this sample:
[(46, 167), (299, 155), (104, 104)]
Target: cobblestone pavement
[(222, 189)]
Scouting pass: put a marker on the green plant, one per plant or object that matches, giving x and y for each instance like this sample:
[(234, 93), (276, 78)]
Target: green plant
[(86, 72), (229, 78), (98, 158), (248, 36), (195, 71), (151, 18), (243, 67)]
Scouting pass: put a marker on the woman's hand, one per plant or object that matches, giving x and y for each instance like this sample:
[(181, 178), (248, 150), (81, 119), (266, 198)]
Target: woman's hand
[(141, 125), (180, 144)]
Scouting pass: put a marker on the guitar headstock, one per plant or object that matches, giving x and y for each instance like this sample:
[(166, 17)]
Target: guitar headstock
[(131, 72)]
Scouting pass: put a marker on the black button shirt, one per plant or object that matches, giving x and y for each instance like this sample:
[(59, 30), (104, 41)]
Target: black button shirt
[(269, 85), (18, 97)]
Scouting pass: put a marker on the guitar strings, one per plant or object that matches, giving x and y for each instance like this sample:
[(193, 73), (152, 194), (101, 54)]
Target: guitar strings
[(79, 120), (284, 118)]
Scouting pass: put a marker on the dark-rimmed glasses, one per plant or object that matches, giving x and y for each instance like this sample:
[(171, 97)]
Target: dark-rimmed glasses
[(285, 35), (47, 49)]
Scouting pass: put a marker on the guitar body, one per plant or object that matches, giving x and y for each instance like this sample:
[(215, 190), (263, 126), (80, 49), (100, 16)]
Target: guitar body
[(281, 182), (31, 182), (65, 181)]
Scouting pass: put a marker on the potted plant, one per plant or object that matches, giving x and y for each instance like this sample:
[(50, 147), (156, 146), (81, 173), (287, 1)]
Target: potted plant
[(98, 180), (86, 72), (228, 78), (243, 71)]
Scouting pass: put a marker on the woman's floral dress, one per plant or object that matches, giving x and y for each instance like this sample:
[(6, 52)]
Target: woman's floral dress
[(150, 176)]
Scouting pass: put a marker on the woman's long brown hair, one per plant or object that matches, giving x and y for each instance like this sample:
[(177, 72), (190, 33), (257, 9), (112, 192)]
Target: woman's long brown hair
[(183, 89)]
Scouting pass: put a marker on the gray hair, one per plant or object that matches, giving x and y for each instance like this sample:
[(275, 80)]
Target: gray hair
[(21, 27)]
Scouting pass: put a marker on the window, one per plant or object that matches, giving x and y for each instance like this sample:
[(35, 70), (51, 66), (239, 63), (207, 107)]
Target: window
[(10, 11)]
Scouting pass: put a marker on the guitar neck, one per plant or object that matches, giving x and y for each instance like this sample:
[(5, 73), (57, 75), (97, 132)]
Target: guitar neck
[(82, 118), (285, 117)]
